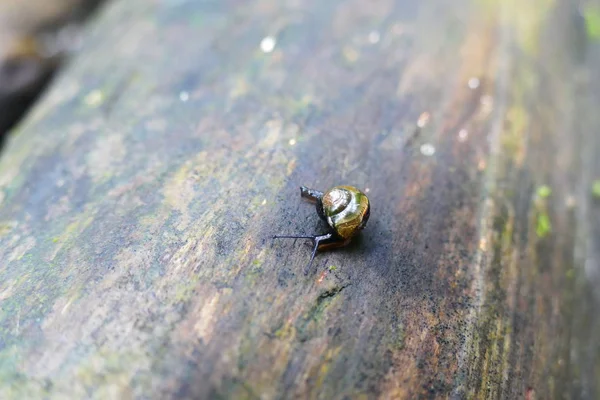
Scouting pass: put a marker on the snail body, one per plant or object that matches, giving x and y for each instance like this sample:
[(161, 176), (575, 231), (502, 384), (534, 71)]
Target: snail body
[(346, 210)]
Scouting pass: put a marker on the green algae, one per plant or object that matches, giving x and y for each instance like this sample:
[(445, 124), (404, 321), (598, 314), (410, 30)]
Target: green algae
[(591, 13), (596, 189), (544, 191), (543, 226)]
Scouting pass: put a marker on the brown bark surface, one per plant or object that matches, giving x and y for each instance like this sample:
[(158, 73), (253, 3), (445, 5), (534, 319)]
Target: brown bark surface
[(138, 198)]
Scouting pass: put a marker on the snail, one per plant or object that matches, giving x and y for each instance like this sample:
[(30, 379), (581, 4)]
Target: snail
[(345, 209)]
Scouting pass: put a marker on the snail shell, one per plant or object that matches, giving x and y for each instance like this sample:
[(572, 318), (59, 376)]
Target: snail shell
[(346, 209)]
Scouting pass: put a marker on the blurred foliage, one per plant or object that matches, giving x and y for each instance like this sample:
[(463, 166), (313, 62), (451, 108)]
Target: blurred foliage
[(596, 189), (544, 227), (591, 14), (544, 191)]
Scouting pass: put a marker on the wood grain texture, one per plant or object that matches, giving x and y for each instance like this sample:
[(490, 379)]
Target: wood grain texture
[(138, 198)]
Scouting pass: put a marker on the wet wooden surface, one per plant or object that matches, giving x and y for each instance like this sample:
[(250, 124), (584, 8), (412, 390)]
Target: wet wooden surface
[(137, 201)]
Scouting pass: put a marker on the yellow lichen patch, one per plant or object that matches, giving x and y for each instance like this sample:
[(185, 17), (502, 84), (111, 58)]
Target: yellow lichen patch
[(11, 165), (57, 95), (31, 388), (95, 98), (419, 69), (104, 159), (328, 357), (206, 318), (524, 18), (23, 246), (402, 378), (65, 309), (71, 232), (61, 311), (350, 54), (241, 255), (7, 289), (413, 189), (179, 192), (58, 208), (514, 137), (291, 167), (129, 260), (476, 52), (190, 255), (286, 332), (273, 132), (110, 373), (272, 351), (494, 357), (7, 227), (239, 87)]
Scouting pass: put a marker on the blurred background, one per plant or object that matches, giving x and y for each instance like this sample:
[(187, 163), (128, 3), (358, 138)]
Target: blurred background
[(36, 38)]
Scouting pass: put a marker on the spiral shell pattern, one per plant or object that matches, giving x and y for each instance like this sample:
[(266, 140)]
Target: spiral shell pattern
[(347, 210)]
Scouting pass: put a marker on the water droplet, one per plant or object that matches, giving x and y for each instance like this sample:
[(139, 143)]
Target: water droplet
[(374, 37), (292, 142), (264, 202), (268, 43), (184, 96), (367, 190), (463, 134), (473, 83), (427, 149), (94, 98)]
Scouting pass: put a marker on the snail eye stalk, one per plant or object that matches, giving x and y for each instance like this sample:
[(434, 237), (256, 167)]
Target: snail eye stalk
[(311, 195), (316, 239), (343, 225)]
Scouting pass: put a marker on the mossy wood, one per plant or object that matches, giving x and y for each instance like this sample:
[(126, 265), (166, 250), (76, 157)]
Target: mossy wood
[(138, 198)]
